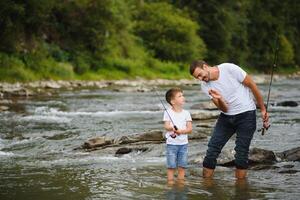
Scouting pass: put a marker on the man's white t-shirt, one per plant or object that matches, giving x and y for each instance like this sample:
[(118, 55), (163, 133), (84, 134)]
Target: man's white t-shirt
[(238, 97), (180, 119)]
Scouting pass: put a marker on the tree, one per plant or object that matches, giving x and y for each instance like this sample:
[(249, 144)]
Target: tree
[(169, 33)]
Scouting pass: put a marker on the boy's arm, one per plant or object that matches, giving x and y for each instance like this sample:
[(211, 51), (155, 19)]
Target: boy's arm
[(168, 126), (188, 129)]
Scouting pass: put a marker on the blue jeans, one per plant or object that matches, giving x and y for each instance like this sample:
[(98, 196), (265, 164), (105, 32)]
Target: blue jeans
[(177, 156), (244, 125)]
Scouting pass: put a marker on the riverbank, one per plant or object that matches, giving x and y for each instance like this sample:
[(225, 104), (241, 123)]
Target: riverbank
[(48, 87)]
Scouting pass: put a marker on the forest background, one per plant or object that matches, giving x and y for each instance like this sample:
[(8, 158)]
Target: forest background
[(129, 39)]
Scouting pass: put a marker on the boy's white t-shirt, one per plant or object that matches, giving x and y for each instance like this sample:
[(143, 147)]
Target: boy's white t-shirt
[(229, 84), (180, 119)]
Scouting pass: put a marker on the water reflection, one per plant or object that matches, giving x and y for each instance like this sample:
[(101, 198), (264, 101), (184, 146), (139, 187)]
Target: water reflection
[(178, 190), (242, 189), (239, 189)]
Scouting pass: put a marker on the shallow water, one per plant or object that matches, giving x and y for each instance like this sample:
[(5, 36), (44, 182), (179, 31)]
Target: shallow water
[(38, 135)]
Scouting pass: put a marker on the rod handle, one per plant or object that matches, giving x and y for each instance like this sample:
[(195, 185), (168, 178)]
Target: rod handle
[(263, 131)]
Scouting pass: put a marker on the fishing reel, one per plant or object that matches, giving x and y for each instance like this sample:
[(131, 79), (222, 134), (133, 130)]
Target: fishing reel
[(174, 135)]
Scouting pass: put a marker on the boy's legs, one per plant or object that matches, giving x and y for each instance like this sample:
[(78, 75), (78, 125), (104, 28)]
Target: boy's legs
[(170, 175), (223, 130), (171, 161), (182, 160), (245, 130), (181, 173)]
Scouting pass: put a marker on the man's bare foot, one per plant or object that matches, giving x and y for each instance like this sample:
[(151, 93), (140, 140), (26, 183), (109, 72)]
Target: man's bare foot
[(208, 173), (240, 173)]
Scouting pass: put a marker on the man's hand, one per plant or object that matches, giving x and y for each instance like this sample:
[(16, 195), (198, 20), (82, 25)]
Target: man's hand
[(215, 94), (265, 118), (218, 100)]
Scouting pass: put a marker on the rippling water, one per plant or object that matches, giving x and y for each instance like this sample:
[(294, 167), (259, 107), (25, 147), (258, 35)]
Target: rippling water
[(38, 160)]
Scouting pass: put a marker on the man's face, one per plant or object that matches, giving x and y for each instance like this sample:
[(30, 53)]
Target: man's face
[(202, 74)]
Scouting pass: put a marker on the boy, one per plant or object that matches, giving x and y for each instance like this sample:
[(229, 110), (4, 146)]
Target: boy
[(176, 135)]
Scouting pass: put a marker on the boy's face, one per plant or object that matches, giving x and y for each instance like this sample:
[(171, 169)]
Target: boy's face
[(178, 99)]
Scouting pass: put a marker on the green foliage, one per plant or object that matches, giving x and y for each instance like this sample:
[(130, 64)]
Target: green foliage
[(13, 69), (168, 33), (111, 39), (286, 52)]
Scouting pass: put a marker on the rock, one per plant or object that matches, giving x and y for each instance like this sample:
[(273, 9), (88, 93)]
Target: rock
[(290, 155), (204, 115), (289, 171), (3, 108), (6, 101), (126, 150), (263, 167), (123, 150), (96, 142), (132, 89), (198, 134), (125, 140), (204, 106), (257, 155), (287, 104), (153, 135), (52, 85), (259, 79), (288, 166)]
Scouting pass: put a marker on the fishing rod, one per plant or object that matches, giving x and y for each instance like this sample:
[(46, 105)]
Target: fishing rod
[(175, 127), (263, 129)]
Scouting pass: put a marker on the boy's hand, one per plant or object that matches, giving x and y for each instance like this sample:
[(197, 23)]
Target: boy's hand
[(179, 132)]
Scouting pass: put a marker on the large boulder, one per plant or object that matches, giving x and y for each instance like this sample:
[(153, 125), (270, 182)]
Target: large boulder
[(290, 155), (257, 156)]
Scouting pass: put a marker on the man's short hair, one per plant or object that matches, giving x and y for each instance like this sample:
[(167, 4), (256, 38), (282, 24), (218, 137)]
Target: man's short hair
[(170, 94), (195, 64)]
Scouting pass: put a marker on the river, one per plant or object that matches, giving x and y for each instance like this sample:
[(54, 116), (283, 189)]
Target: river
[(38, 136)]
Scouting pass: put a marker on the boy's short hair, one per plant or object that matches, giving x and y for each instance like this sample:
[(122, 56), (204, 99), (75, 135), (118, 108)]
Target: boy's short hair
[(195, 64), (170, 94)]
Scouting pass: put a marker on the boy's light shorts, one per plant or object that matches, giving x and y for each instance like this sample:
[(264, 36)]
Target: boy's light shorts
[(177, 156)]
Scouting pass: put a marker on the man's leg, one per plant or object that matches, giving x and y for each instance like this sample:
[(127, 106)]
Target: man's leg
[(221, 134), (246, 125)]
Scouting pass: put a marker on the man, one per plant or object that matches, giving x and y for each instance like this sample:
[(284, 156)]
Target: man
[(230, 89)]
